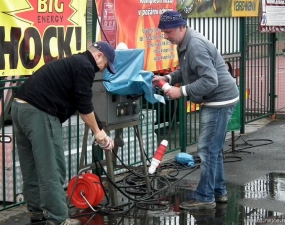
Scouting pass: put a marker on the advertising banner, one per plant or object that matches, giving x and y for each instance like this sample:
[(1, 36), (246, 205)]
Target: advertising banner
[(133, 24), (218, 8), (34, 32), (272, 16)]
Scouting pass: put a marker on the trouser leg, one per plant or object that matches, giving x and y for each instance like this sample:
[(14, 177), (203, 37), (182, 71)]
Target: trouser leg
[(213, 129), (31, 190), (45, 134)]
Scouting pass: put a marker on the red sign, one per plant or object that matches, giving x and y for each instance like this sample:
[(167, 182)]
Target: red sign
[(133, 24)]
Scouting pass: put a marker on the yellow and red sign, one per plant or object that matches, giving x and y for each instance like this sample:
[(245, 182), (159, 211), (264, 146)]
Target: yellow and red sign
[(133, 23), (34, 32)]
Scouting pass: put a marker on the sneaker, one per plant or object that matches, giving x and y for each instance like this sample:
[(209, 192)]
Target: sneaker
[(221, 199), (68, 221), (37, 217), (195, 204)]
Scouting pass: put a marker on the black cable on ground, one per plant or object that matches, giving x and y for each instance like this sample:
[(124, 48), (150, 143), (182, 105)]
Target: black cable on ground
[(233, 150), (119, 188), (154, 206), (247, 145), (134, 184), (134, 178), (230, 159)]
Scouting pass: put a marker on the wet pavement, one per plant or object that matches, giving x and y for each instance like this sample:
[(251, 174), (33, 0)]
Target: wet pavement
[(255, 175)]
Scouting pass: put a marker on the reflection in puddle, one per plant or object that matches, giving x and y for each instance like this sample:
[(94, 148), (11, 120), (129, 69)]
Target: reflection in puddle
[(247, 205), (270, 186)]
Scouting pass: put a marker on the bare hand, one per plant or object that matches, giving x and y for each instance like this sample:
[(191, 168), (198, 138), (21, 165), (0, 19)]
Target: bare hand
[(173, 92)]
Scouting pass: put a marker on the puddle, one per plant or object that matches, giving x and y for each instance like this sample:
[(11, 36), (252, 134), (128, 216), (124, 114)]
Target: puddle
[(271, 186), (258, 202)]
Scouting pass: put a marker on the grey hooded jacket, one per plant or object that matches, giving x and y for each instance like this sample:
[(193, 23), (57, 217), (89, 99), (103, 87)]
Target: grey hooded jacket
[(203, 72)]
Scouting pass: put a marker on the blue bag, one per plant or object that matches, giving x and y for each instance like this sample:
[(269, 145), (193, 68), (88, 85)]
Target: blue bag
[(185, 159)]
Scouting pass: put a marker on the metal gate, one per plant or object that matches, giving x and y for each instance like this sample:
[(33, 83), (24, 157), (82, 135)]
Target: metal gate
[(257, 84), (280, 72)]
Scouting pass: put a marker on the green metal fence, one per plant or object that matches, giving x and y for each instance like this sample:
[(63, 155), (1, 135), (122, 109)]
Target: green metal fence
[(257, 69), (260, 71), (280, 73)]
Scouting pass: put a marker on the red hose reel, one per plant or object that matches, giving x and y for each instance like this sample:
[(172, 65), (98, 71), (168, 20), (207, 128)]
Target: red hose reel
[(89, 186)]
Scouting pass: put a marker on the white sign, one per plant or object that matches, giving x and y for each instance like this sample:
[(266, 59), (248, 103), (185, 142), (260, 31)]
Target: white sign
[(272, 17)]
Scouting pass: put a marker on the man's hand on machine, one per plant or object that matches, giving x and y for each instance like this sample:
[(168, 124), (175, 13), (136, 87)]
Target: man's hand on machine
[(157, 78), (104, 141)]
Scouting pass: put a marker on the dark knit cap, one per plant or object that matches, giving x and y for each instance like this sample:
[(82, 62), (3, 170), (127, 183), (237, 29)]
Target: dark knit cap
[(171, 19)]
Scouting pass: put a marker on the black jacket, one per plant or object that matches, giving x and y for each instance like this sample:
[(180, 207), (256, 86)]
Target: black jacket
[(63, 86)]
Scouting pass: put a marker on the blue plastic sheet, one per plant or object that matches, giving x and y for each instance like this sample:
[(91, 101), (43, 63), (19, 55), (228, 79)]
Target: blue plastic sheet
[(185, 159), (130, 78)]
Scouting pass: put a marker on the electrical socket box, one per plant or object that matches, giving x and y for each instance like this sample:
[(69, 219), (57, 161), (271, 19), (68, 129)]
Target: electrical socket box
[(113, 109)]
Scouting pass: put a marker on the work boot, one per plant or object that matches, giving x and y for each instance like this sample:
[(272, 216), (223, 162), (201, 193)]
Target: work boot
[(68, 221), (222, 199), (37, 217), (195, 204)]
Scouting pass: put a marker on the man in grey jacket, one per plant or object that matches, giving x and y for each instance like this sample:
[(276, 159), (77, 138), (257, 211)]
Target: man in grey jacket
[(205, 80)]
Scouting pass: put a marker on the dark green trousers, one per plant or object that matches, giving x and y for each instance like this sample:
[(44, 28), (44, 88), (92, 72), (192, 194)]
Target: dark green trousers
[(40, 149)]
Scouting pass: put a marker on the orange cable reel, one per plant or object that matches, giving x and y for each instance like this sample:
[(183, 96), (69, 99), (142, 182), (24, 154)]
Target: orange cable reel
[(89, 184)]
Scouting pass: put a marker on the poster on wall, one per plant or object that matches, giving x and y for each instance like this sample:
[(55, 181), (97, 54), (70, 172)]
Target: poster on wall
[(272, 16), (34, 32), (218, 8), (133, 24)]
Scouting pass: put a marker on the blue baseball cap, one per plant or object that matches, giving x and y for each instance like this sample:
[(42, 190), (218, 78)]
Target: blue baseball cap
[(171, 19), (109, 52)]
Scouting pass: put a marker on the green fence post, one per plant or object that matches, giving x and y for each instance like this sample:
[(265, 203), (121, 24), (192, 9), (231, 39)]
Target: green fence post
[(182, 124), (272, 53), (243, 50)]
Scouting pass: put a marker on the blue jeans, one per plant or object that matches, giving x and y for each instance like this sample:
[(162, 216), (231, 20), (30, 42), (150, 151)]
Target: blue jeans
[(213, 122)]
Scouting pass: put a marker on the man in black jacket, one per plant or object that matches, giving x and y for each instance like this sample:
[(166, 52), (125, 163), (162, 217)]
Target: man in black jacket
[(48, 98)]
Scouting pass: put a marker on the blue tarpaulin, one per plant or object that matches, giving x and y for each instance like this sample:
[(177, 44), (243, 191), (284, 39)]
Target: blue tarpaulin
[(130, 78)]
